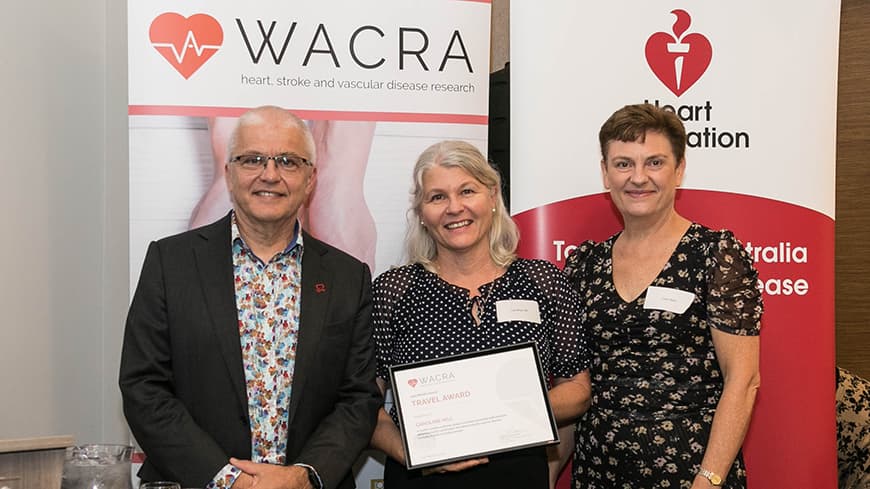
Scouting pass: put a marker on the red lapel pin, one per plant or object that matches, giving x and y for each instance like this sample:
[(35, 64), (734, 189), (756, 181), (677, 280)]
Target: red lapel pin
[(320, 288)]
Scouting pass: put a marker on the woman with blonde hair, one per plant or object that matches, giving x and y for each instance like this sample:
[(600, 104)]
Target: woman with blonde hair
[(461, 246)]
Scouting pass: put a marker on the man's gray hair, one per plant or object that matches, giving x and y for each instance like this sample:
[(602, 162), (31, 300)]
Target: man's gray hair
[(270, 114)]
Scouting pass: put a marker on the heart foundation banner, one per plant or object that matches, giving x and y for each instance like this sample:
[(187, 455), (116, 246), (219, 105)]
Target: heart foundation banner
[(755, 84), (377, 82)]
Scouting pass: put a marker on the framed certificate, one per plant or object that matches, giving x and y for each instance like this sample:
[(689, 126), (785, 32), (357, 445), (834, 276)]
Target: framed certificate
[(472, 405)]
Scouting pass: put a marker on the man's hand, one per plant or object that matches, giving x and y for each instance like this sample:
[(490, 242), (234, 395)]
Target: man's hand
[(268, 476), (243, 481)]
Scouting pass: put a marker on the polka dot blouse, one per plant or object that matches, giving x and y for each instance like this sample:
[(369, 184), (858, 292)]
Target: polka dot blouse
[(419, 316)]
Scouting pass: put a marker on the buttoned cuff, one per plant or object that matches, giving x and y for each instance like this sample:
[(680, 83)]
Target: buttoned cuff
[(313, 476), (225, 478)]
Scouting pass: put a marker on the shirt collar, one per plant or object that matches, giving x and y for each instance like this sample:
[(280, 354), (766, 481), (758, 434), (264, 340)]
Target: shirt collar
[(295, 241)]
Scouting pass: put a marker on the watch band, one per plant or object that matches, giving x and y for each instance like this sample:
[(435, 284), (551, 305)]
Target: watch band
[(713, 477)]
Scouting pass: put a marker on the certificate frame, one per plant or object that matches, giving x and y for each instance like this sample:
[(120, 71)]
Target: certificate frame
[(472, 405)]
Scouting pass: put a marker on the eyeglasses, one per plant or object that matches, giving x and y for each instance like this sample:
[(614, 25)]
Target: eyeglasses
[(289, 163)]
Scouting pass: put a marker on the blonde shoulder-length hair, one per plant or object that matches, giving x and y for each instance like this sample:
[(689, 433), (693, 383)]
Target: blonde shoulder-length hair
[(503, 236)]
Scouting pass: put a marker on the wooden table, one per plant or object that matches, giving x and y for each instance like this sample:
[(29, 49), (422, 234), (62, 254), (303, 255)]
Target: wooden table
[(32, 463)]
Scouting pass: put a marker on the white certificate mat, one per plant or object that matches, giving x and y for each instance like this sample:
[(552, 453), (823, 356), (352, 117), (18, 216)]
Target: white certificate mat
[(472, 405)]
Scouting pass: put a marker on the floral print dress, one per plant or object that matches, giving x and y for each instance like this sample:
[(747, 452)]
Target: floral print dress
[(655, 377)]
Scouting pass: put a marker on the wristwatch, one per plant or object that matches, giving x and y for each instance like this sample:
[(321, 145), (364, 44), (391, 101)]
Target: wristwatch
[(710, 476)]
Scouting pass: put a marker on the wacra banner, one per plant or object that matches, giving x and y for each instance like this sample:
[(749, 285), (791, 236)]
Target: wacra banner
[(755, 84), (377, 82)]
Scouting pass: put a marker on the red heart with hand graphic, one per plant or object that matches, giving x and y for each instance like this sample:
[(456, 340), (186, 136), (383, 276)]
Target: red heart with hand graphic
[(186, 42), (412, 382), (677, 60)]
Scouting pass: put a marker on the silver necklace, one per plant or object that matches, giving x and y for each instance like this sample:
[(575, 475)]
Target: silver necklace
[(477, 303)]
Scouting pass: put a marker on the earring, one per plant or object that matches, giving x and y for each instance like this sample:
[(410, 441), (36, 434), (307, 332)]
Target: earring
[(422, 223), (493, 210)]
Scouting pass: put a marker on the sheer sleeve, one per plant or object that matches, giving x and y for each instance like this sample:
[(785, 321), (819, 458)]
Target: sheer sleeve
[(575, 264), (561, 314), (733, 299), (387, 290)]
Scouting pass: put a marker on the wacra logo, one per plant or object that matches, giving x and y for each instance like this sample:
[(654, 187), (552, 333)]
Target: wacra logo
[(186, 42), (369, 47), (432, 379), (680, 59)]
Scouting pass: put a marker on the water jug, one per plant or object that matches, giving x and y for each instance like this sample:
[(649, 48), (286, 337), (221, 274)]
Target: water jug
[(97, 467)]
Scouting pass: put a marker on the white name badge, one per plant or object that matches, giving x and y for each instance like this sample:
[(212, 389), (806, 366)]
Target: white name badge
[(667, 299), (517, 310)]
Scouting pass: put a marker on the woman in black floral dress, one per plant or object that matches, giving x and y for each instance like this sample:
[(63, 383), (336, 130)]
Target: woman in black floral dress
[(674, 313)]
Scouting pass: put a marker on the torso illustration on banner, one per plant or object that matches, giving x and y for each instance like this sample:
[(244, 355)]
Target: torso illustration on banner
[(405, 78)]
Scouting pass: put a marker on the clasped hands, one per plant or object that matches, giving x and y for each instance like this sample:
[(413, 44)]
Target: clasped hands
[(269, 476)]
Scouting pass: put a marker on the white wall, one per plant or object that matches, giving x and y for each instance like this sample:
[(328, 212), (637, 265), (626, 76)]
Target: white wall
[(63, 142)]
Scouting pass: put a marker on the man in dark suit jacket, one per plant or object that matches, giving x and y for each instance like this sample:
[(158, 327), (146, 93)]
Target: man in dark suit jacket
[(247, 352)]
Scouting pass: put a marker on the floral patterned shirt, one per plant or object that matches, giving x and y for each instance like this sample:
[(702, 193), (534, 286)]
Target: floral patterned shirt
[(267, 300)]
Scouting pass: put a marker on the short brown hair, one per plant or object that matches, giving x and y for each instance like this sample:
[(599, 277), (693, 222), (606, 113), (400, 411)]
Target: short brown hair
[(632, 122)]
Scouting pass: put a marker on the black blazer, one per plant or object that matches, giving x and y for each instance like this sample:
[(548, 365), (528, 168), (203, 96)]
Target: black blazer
[(182, 378)]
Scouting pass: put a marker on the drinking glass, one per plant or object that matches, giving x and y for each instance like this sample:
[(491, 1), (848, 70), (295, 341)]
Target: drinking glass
[(160, 485)]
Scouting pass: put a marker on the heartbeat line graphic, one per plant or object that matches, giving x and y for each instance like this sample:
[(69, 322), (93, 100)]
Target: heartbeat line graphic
[(186, 57), (189, 42)]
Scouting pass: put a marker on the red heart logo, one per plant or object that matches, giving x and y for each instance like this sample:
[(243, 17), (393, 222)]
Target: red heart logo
[(412, 382), (678, 61), (186, 42)]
